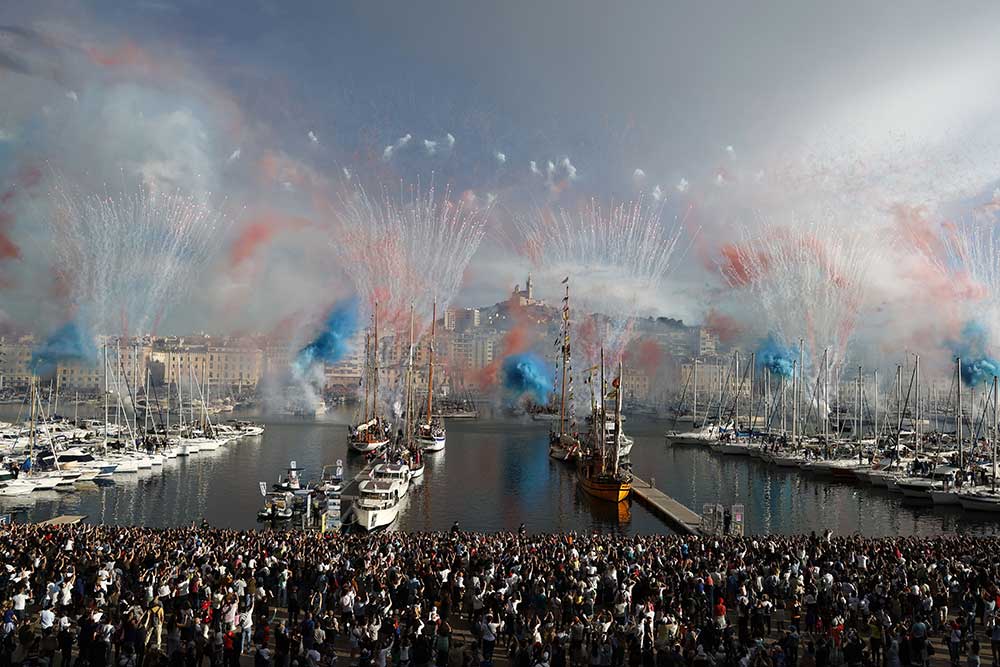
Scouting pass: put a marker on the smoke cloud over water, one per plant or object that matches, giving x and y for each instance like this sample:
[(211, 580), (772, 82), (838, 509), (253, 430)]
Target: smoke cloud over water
[(978, 365), (332, 343), (527, 374), (69, 343), (775, 357)]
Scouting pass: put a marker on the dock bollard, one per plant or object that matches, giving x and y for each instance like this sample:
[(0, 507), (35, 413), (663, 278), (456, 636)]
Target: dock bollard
[(652, 482)]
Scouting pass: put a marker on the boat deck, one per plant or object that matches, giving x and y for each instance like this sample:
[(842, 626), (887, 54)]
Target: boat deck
[(666, 508)]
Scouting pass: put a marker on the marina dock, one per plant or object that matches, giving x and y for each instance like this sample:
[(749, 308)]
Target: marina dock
[(674, 513)]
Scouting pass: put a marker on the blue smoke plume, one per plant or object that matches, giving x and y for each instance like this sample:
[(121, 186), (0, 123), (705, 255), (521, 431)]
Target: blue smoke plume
[(776, 357), (333, 341), (527, 373), (70, 342), (977, 365)]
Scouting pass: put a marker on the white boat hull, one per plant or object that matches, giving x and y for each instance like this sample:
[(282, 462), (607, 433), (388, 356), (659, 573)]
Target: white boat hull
[(435, 444), (365, 447), (980, 502), (373, 519)]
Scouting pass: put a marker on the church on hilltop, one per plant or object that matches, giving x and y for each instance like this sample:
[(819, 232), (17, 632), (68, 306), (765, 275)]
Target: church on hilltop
[(525, 297)]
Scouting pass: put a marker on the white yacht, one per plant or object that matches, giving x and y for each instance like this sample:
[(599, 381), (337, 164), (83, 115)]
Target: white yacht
[(393, 472), (377, 504)]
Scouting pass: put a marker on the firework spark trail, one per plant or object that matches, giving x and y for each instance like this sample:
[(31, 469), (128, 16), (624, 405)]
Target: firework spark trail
[(613, 256), (810, 282), (126, 258), (410, 249), (972, 256)]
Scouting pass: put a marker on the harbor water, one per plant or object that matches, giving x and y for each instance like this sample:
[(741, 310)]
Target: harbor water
[(495, 475)]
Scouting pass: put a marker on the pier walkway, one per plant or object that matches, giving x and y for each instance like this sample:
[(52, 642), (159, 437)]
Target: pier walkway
[(666, 508)]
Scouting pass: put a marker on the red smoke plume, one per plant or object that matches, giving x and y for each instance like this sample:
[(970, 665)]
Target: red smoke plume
[(26, 178), (260, 230), (722, 325)]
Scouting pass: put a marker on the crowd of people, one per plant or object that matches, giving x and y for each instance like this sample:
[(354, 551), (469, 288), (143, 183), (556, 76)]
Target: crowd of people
[(111, 596)]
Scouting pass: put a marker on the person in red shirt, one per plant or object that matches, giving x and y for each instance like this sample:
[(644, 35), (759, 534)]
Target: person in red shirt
[(720, 613)]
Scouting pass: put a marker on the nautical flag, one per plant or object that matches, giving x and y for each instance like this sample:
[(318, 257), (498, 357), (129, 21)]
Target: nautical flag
[(26, 466), (565, 280), (263, 489)]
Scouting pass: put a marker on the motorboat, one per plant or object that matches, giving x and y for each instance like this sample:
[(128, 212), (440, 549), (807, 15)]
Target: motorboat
[(377, 504), (393, 472)]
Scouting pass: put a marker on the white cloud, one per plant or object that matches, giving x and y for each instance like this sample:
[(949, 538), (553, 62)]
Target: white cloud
[(234, 156), (638, 174), (730, 149), (71, 94), (534, 167), (430, 146), (501, 157), (312, 137), (683, 185), (450, 140), (390, 150), (570, 169)]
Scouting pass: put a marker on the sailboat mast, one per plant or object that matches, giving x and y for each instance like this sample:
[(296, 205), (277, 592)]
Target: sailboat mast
[(958, 411), (409, 387), (618, 416), (736, 386), (916, 410), (430, 366), (375, 367), (826, 399), (996, 413), (604, 417), (694, 406), (565, 356), (368, 366), (875, 409), (105, 394)]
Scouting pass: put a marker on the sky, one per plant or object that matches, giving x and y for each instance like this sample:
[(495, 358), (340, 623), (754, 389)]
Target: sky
[(867, 118)]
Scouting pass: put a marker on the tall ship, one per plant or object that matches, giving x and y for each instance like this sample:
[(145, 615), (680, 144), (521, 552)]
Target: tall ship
[(563, 446), (600, 471), (372, 431), (430, 432)]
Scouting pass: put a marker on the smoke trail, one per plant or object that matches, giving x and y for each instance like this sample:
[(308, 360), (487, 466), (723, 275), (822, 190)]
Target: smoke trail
[(70, 342), (978, 366), (528, 374), (333, 341), (776, 357)]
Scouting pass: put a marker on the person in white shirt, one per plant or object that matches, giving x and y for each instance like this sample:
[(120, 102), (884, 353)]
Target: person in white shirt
[(46, 619)]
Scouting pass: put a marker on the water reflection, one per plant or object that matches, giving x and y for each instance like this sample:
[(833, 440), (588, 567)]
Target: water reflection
[(495, 475)]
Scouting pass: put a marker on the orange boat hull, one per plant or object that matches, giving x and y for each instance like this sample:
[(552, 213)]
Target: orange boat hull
[(611, 491)]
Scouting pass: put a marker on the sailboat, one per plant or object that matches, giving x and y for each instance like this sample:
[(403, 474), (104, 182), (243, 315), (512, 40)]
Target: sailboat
[(986, 500), (431, 434), (600, 472), (373, 431), (562, 445), (412, 449)]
